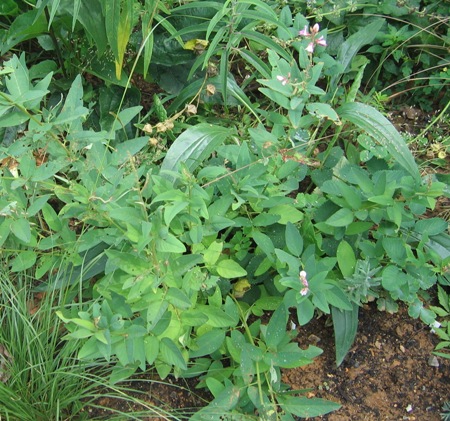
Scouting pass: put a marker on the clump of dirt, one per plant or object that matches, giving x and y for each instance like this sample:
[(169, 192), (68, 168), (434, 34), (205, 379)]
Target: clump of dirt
[(389, 374)]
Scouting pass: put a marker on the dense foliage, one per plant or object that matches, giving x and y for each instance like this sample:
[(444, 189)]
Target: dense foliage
[(261, 187)]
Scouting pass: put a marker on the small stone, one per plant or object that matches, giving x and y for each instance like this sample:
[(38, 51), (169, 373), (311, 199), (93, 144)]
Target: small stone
[(433, 361)]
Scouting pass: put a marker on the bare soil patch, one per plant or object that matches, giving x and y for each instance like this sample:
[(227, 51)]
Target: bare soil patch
[(386, 375)]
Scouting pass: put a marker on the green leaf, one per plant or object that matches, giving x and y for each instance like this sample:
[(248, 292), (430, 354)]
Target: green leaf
[(120, 373), (288, 213), (246, 366), (128, 262), (444, 298), (227, 399), (194, 145), (8, 7), (212, 253), (395, 248), (112, 19), (341, 218), (382, 131), (125, 150), (208, 343), (24, 260), (193, 318), (73, 109), (352, 45), (21, 229), (178, 298), (25, 26), (292, 261), (217, 317), (346, 258), (393, 278), (358, 228), (322, 110), (5, 229), (276, 329), (171, 354), (230, 269), (305, 312), (170, 244), (123, 118), (307, 407), (47, 170), (151, 346), (294, 240), (90, 15), (431, 226), (51, 218), (264, 220), (345, 323), (264, 242)]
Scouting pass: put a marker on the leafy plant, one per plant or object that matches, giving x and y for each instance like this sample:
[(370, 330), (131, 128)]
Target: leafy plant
[(445, 415), (442, 329), (41, 377), (193, 247)]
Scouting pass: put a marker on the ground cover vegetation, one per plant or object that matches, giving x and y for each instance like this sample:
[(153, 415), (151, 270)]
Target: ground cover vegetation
[(184, 182)]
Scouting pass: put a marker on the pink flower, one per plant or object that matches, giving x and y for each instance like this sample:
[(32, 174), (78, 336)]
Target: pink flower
[(304, 32), (304, 282), (321, 41), (315, 29), (283, 79), (312, 36), (310, 48)]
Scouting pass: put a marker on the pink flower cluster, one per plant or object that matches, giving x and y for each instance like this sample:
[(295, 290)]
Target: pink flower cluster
[(304, 282), (314, 40)]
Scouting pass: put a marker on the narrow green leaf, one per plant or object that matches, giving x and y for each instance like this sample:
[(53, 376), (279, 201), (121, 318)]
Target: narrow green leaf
[(382, 131), (90, 15), (112, 19), (345, 323), (123, 34)]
